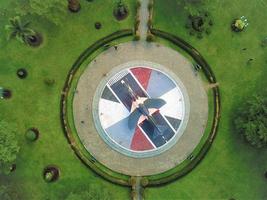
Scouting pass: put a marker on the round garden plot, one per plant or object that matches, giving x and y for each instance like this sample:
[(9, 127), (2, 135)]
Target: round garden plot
[(139, 110)]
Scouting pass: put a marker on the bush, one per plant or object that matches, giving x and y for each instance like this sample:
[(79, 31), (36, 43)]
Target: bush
[(264, 42), (138, 4), (149, 24), (136, 37), (144, 181), (192, 32), (132, 180), (211, 23), (51, 174), (150, 38), (31, 134), (150, 6), (49, 82), (208, 31), (136, 24), (251, 121), (48, 176), (199, 36)]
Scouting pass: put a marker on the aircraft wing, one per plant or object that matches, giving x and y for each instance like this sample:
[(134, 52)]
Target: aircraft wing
[(154, 103), (133, 119)]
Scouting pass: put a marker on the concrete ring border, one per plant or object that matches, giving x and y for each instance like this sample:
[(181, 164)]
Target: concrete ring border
[(112, 143)]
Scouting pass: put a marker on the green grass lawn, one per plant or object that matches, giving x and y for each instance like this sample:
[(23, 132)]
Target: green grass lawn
[(36, 105), (232, 168)]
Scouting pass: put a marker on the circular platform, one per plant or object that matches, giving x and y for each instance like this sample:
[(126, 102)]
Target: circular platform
[(142, 109), (95, 111)]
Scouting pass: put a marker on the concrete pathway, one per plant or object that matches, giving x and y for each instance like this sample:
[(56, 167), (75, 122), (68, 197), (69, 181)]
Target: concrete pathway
[(144, 17), (83, 108), (138, 188)]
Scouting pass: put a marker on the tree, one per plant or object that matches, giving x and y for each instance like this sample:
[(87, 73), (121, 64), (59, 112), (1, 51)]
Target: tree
[(120, 10), (74, 5), (19, 30), (52, 10), (251, 121), (92, 193), (8, 146), (4, 195)]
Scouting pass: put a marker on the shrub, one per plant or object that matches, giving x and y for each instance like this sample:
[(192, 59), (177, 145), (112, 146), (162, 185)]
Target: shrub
[(136, 37), (51, 174), (149, 24), (132, 180), (208, 31), (150, 38), (136, 24), (32, 134), (251, 121), (150, 6), (264, 42), (144, 181), (199, 36), (48, 176), (49, 81), (191, 32), (211, 23)]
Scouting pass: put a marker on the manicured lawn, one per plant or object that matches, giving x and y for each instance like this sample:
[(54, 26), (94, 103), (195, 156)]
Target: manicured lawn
[(231, 169), (35, 104)]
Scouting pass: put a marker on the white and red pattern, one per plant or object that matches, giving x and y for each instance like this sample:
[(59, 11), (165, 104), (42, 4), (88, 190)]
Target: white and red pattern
[(115, 108)]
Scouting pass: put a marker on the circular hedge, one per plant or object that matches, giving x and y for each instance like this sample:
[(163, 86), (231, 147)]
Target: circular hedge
[(6, 94)]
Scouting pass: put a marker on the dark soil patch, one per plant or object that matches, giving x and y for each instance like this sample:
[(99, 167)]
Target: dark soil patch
[(98, 25), (22, 73), (265, 174), (36, 40), (51, 173), (7, 94)]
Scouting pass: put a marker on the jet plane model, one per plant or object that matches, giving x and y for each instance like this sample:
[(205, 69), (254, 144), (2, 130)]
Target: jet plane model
[(141, 108)]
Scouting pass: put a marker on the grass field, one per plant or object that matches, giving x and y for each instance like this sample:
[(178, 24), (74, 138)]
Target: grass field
[(35, 104), (232, 168)]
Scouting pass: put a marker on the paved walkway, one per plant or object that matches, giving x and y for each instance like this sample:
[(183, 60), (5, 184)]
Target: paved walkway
[(83, 108), (144, 16)]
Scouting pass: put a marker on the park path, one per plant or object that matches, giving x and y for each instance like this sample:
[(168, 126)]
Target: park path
[(138, 188), (144, 17)]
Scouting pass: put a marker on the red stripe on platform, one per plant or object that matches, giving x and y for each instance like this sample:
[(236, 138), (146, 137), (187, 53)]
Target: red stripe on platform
[(142, 75), (140, 142)]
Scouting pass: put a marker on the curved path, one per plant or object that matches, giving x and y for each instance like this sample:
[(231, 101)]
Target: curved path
[(83, 109)]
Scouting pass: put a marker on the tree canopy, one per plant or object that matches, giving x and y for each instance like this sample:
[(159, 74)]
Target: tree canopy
[(8, 146), (52, 10), (251, 120)]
